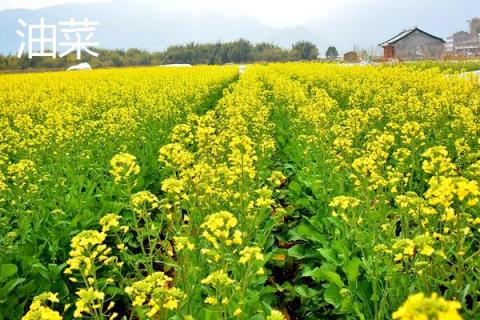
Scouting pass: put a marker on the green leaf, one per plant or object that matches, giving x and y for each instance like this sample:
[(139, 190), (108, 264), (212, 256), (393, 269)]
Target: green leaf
[(295, 187), (321, 274), (330, 255), (58, 268), (113, 291), (300, 252), (10, 285), (353, 270), (332, 296), (7, 270), (360, 315), (305, 292), (305, 231), (302, 202), (336, 222), (39, 268)]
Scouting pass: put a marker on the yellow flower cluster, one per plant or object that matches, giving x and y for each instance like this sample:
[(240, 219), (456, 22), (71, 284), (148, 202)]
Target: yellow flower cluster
[(175, 156), (412, 133), (183, 243), (88, 248), (218, 279), (109, 221), (143, 203), (154, 294), (90, 301), (405, 248), (218, 229), (39, 311), (242, 156), (124, 167), (276, 315), (420, 307), (438, 162), (22, 175), (344, 202), (3, 185), (21, 171), (250, 253), (443, 190), (277, 178)]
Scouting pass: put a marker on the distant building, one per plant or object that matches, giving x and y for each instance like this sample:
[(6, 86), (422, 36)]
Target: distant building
[(469, 47), (464, 43), (350, 56), (413, 44), (455, 39)]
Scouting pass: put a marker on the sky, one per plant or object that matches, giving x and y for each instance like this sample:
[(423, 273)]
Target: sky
[(275, 13), (36, 4), (343, 23)]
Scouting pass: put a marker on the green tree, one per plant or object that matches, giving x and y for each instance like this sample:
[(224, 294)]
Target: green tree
[(304, 50), (194, 53), (332, 53)]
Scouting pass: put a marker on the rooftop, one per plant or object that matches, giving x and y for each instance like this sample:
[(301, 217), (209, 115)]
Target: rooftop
[(405, 33)]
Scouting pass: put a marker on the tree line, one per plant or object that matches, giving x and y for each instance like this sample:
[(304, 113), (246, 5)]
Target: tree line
[(239, 51)]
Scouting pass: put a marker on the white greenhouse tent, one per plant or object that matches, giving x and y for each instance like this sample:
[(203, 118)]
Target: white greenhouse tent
[(81, 66), (176, 65)]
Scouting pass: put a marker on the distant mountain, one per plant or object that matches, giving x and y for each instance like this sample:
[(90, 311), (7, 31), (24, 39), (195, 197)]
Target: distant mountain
[(146, 25), (125, 24)]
